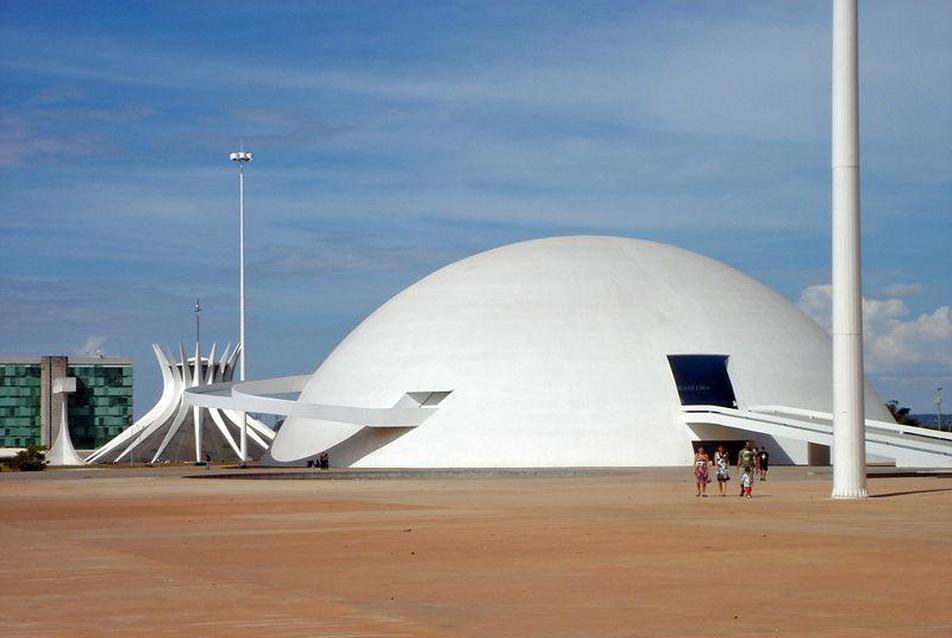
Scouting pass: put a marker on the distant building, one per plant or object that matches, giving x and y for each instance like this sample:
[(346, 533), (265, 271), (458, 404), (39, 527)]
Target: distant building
[(31, 399), (173, 431)]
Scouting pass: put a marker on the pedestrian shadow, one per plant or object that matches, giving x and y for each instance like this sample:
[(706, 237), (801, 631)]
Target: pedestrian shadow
[(911, 492)]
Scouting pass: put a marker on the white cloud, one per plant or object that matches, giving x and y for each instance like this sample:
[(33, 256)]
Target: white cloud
[(816, 301), (19, 142), (92, 347), (902, 290), (895, 343)]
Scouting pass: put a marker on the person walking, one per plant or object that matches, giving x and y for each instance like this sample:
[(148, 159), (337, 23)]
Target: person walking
[(701, 475), (722, 466), (747, 465), (763, 459), (746, 482)]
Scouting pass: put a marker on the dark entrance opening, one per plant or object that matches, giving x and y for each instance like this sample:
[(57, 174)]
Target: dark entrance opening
[(702, 379)]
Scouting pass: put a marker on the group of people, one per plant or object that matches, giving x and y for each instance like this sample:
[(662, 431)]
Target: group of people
[(322, 462), (751, 462)]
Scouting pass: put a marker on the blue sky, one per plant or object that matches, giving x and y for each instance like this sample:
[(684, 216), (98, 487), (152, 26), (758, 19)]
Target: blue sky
[(393, 138)]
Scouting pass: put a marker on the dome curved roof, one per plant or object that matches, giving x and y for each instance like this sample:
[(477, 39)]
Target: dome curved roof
[(554, 352)]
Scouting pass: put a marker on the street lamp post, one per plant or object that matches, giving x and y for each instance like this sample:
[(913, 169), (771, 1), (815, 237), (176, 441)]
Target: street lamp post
[(242, 157), (938, 407), (197, 411), (198, 322)]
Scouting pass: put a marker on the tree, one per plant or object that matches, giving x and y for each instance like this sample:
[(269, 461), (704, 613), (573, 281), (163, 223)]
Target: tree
[(32, 459), (900, 413)]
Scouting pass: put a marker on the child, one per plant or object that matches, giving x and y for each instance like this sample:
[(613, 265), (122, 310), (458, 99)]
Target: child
[(746, 482), (746, 462)]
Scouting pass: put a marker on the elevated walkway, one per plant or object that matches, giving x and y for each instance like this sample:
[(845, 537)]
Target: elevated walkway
[(264, 395), (909, 446)]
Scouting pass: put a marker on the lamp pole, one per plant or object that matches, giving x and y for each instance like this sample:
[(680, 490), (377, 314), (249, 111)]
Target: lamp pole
[(938, 407), (849, 418), (198, 322), (242, 157), (196, 380)]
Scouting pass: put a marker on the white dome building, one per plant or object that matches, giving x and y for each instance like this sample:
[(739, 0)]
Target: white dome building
[(568, 351)]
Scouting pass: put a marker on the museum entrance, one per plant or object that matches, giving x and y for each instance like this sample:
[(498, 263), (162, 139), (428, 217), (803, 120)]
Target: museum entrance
[(702, 379)]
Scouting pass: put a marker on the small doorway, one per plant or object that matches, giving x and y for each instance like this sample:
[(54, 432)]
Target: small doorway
[(702, 379)]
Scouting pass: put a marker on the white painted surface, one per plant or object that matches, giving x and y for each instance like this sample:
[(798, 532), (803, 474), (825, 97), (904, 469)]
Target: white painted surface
[(253, 396), (849, 462), (162, 434), (905, 445), (62, 451), (64, 384), (556, 354)]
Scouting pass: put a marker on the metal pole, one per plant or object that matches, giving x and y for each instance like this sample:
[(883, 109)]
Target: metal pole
[(196, 380), (241, 269), (241, 303), (938, 407), (198, 324), (242, 157), (849, 419)]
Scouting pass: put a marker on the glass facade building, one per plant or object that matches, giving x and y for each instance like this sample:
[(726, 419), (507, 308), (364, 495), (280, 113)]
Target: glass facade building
[(31, 402), (101, 407), (21, 419)]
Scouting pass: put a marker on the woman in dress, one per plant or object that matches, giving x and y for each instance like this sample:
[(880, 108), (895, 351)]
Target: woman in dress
[(722, 466), (701, 463)]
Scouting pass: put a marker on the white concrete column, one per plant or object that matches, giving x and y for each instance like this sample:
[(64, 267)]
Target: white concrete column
[(849, 431), (62, 451), (197, 418), (196, 411)]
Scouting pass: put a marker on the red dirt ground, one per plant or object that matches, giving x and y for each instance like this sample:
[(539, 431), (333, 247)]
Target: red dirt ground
[(627, 554)]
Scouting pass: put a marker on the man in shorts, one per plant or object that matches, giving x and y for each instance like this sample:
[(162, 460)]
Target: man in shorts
[(746, 464)]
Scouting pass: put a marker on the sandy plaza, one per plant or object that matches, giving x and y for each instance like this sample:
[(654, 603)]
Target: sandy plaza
[(532, 319), (151, 552)]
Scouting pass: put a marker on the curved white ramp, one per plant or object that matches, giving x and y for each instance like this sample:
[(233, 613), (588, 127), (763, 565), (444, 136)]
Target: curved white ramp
[(256, 396), (909, 446)]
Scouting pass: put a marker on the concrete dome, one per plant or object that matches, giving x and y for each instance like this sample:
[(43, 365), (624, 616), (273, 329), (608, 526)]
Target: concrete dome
[(554, 352)]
